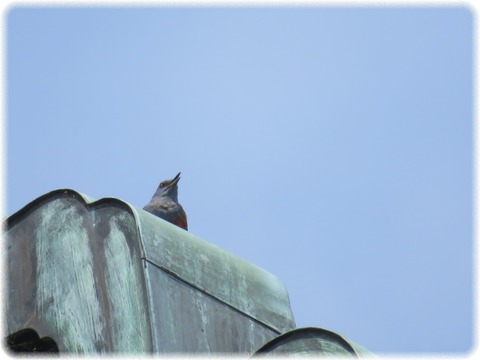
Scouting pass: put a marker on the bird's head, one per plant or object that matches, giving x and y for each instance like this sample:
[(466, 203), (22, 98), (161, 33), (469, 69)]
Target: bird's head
[(168, 188)]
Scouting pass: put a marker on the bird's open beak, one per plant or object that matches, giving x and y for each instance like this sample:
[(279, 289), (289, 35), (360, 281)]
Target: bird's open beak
[(175, 179)]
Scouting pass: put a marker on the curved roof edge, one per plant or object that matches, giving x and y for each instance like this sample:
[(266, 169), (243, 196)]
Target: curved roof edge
[(258, 293), (312, 341)]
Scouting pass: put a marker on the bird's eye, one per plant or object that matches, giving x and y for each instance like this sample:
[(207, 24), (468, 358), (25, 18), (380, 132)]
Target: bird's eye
[(162, 185)]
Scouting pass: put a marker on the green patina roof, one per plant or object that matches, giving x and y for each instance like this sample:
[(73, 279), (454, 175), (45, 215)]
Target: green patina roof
[(90, 276), (106, 276)]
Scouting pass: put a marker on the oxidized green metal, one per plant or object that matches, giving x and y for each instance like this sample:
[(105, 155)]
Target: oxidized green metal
[(104, 276), (311, 341)]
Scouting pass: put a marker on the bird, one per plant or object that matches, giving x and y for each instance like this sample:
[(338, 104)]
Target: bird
[(165, 205)]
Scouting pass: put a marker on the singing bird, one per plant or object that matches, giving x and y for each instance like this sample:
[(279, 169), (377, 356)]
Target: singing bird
[(164, 203)]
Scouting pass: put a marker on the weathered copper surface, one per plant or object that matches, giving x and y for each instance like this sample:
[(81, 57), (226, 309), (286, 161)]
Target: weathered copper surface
[(103, 276), (311, 341)]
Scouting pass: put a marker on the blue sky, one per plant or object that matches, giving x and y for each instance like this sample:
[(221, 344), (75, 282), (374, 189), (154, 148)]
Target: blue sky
[(331, 146)]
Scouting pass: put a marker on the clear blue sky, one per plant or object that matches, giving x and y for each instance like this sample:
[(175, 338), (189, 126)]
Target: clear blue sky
[(331, 146)]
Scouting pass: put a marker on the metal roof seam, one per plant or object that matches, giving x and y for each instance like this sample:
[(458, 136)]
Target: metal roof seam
[(178, 277)]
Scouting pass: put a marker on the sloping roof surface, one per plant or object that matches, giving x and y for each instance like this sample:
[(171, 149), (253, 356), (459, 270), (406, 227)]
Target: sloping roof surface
[(103, 276)]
